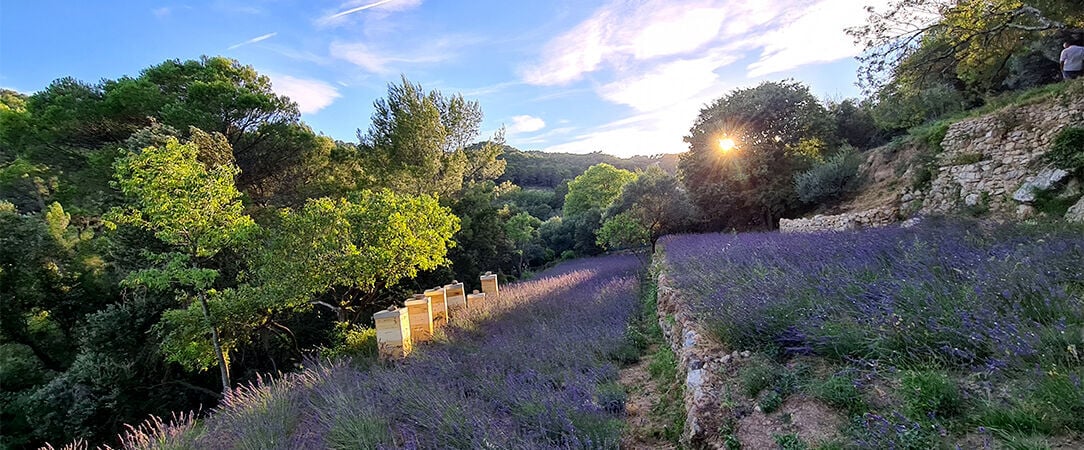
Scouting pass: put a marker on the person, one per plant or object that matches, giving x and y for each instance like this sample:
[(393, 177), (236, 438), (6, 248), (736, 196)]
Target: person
[(1072, 61)]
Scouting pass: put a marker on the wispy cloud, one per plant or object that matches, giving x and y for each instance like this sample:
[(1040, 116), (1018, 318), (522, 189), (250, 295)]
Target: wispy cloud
[(381, 60), (311, 95), (253, 40), (356, 6), (162, 12), (525, 124)]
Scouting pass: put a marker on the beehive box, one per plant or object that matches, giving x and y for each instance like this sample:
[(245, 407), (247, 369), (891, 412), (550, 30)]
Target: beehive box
[(393, 333), (489, 284), (438, 299), (476, 300), (420, 312), (456, 297)]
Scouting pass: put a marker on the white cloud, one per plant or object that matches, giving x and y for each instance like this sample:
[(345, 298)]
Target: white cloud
[(253, 40), (383, 61), (311, 95), (162, 12), (814, 35), (664, 85), (525, 124)]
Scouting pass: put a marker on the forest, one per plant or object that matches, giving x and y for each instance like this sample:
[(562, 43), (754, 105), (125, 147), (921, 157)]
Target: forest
[(172, 234)]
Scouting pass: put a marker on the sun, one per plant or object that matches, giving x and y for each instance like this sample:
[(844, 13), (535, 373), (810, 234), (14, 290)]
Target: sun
[(727, 144)]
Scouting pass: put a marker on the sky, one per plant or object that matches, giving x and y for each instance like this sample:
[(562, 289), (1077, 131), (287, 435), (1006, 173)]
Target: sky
[(621, 77)]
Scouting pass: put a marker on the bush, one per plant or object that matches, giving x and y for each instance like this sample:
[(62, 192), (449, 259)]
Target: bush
[(1067, 152), (830, 179)]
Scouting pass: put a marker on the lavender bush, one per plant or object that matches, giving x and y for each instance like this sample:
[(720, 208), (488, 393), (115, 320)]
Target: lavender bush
[(946, 293), (528, 371)]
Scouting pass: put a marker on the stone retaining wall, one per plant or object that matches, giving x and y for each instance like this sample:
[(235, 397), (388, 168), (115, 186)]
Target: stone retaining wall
[(848, 221), (694, 353), (986, 159)]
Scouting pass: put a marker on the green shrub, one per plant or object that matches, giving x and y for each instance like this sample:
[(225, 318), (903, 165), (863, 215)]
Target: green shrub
[(771, 401), (839, 391), (663, 365), (829, 180), (926, 392), (757, 375), (790, 442), (1067, 152)]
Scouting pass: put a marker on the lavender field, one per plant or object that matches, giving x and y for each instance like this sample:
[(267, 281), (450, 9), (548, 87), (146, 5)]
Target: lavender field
[(534, 369), (947, 332)]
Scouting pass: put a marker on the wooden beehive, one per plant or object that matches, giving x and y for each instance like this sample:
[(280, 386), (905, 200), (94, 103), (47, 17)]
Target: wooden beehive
[(476, 300), (456, 297), (393, 333), (489, 284), (438, 299), (420, 312)]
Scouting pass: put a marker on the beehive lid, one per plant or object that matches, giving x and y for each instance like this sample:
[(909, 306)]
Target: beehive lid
[(416, 301), (389, 314)]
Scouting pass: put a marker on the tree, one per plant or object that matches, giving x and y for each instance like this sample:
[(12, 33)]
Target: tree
[(349, 247), (417, 141), (185, 194), (751, 186), (522, 229), (971, 41), (623, 231), (658, 204), (596, 188)]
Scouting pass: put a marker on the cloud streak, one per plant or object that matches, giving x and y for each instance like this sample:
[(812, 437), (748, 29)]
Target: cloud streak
[(253, 40), (525, 124)]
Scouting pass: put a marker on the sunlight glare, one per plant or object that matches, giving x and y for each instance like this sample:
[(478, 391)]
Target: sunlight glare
[(727, 144)]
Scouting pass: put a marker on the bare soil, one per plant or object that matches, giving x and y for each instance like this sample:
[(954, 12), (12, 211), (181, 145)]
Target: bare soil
[(644, 430)]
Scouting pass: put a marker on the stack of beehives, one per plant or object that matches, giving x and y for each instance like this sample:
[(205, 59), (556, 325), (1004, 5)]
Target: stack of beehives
[(399, 328)]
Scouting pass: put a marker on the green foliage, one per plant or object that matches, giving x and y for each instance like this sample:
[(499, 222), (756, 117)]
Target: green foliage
[(417, 143), (1067, 151), (758, 374), (829, 180), (657, 202), (623, 231), (663, 365), (537, 169), (184, 201), (929, 392), (365, 241), (790, 442), (752, 185), (599, 186), (770, 401), (839, 391)]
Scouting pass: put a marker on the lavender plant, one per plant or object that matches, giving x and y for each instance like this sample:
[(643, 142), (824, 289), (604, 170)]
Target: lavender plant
[(531, 370)]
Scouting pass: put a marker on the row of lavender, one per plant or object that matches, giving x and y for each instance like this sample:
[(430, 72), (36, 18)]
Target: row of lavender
[(398, 329), (533, 369), (1000, 308)]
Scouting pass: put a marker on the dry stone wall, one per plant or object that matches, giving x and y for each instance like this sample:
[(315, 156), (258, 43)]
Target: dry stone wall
[(988, 159), (991, 164), (848, 221)]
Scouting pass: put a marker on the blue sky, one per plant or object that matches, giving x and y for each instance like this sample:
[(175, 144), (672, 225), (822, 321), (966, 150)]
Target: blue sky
[(623, 77)]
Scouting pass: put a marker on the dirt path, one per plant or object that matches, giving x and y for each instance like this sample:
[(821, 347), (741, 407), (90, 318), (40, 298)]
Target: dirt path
[(645, 430)]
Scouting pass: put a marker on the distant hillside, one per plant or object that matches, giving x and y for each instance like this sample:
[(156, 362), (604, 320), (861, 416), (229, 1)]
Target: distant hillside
[(542, 169)]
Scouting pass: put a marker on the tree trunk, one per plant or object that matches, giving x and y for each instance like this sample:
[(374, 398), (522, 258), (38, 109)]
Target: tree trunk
[(222, 367)]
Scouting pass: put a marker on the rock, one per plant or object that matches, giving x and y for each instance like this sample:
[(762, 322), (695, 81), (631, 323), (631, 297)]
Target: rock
[(1076, 212), (745, 354), (911, 222), (725, 359), (972, 199), (1025, 212), (1044, 181)]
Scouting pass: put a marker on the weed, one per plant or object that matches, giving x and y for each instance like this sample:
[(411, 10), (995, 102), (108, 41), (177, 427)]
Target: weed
[(757, 374), (790, 442), (927, 393), (839, 391)]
